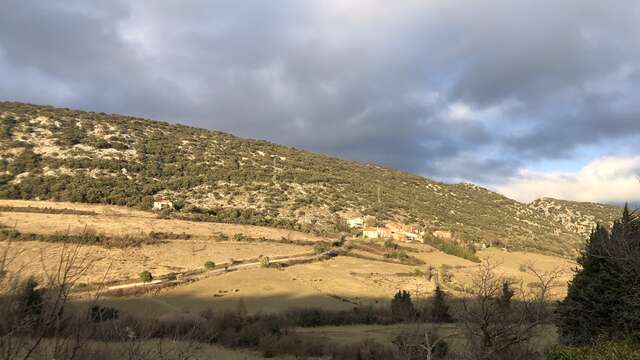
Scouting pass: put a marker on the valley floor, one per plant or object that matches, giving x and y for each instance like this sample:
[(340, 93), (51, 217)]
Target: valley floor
[(338, 283)]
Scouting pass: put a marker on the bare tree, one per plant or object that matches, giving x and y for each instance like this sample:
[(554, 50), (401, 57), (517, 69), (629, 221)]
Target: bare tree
[(495, 331), (31, 311), (423, 343)]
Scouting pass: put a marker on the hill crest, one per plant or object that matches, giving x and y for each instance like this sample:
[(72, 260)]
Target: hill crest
[(69, 155)]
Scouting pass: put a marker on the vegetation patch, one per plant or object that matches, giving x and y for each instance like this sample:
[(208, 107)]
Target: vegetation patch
[(213, 176), (45, 210), (607, 350), (451, 248), (89, 237)]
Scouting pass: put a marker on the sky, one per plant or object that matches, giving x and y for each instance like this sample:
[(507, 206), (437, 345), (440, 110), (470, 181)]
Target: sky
[(528, 98)]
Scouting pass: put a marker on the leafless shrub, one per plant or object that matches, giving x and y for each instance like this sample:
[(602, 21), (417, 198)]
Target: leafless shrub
[(422, 343), (495, 329)]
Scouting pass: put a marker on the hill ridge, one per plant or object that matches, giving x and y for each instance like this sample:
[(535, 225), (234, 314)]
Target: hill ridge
[(63, 154)]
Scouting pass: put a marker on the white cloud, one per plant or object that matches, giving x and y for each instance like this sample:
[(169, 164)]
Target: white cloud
[(459, 111), (604, 179)]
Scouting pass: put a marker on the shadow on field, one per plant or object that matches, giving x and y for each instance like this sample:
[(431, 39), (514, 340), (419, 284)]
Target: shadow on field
[(167, 303)]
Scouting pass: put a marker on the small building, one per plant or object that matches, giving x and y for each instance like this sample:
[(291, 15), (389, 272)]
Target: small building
[(396, 231), (355, 222), (163, 205), (384, 233), (443, 234), (370, 232), (411, 236)]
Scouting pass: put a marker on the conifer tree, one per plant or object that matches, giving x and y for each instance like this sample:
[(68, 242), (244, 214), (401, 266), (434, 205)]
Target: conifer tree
[(440, 310), (505, 296), (603, 299), (402, 308), (625, 254)]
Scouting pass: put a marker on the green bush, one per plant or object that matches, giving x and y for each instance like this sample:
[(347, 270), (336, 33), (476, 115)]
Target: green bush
[(321, 247), (390, 244), (239, 237), (399, 255), (209, 265), (448, 247), (600, 351), (264, 261), (146, 276)]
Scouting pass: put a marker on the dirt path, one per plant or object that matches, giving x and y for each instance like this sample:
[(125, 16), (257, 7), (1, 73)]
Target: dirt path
[(185, 277)]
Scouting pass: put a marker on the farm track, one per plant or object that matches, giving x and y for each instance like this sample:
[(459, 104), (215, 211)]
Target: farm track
[(191, 276)]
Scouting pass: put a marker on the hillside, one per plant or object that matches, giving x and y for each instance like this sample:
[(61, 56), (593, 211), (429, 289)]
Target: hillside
[(67, 155)]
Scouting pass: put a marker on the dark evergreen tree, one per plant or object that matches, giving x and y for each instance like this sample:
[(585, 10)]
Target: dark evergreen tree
[(29, 302), (603, 298), (440, 310), (506, 295), (624, 252), (402, 308)]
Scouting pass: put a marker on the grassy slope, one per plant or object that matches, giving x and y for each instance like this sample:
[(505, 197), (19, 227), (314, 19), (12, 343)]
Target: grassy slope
[(68, 155)]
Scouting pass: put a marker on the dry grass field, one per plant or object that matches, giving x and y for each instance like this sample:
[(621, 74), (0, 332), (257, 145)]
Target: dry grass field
[(126, 263), (385, 334), (115, 220), (170, 350), (338, 283)]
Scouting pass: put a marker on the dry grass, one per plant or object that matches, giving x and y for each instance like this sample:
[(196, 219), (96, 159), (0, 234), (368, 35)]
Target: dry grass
[(118, 350), (115, 220), (385, 334), (160, 259), (335, 284)]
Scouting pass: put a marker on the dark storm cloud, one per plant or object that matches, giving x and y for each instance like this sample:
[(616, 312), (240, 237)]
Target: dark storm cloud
[(454, 90)]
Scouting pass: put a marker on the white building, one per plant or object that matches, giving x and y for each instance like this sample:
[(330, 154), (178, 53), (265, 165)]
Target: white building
[(355, 222), (162, 205)]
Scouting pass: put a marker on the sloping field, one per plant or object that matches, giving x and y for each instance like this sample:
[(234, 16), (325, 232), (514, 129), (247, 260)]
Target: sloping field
[(335, 284), (339, 283), (166, 256), (115, 220)]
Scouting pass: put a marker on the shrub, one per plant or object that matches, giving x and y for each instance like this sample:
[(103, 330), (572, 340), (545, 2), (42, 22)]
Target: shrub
[(600, 351), (523, 268), (221, 236), (421, 343), (264, 261), (399, 255), (209, 265), (99, 313), (451, 248), (146, 276), (445, 274), (321, 247), (365, 350), (390, 244), (239, 237), (30, 299)]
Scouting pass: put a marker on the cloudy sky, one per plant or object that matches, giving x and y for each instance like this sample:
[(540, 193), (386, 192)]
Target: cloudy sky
[(530, 98)]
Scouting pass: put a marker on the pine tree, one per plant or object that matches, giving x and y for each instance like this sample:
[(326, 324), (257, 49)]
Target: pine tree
[(625, 253), (603, 298), (241, 309), (505, 297), (440, 310), (402, 308)]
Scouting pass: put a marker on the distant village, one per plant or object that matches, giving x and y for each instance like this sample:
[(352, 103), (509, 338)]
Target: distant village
[(369, 227), (392, 230)]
